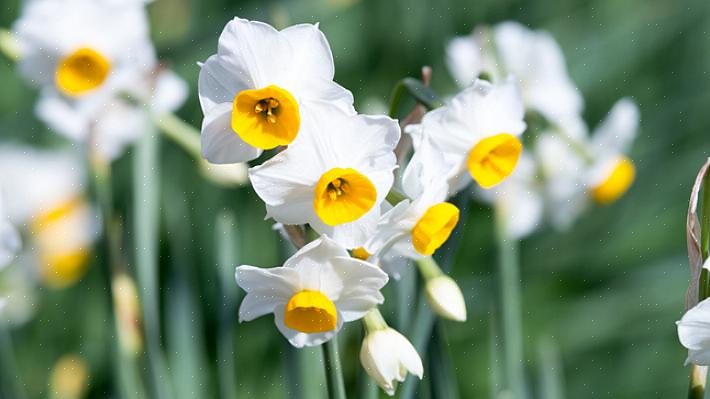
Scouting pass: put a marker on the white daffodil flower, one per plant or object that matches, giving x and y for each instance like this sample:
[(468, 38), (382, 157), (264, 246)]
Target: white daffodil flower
[(257, 87), (694, 333), (10, 242), (386, 355), (477, 133), (612, 172), (317, 290), (418, 227), (335, 177), (533, 57), (84, 48), (48, 199), (108, 125), (519, 199)]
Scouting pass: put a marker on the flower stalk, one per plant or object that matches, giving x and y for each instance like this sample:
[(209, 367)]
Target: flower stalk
[(333, 369), (699, 374), (512, 312)]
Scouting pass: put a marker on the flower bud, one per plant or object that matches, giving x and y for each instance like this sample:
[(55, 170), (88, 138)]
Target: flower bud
[(69, 378), (445, 298), (127, 313), (387, 356)]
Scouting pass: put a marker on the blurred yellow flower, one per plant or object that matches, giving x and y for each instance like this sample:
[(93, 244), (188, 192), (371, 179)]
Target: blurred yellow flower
[(69, 378)]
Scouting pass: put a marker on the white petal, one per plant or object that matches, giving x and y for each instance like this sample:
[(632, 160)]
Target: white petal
[(61, 116), (694, 333), (361, 282), (616, 133), (220, 144), (266, 288), (9, 243), (463, 57), (170, 92)]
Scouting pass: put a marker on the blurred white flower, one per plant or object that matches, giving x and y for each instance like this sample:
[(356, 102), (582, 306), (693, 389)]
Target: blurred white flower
[(694, 333), (47, 199), (533, 57), (387, 356), (335, 177), (477, 133), (313, 294), (257, 87), (108, 125), (519, 200), (84, 48), (10, 242)]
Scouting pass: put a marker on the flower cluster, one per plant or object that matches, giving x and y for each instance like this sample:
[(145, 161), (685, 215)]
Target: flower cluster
[(331, 171), (564, 166)]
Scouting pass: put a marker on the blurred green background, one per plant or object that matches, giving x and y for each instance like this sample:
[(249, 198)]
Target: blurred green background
[(604, 295)]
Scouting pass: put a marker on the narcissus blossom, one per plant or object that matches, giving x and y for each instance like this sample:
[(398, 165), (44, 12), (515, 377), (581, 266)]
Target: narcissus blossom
[(477, 133), (612, 171), (48, 198), (9, 237), (317, 290), (83, 48), (255, 90), (419, 225), (386, 355), (694, 333), (107, 125), (533, 57), (335, 177)]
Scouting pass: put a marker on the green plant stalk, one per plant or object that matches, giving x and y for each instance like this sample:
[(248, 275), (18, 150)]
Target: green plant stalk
[(126, 367), (551, 377), (227, 261), (333, 370), (145, 223), (182, 133), (698, 374), (443, 377), (422, 94), (511, 309), (11, 385)]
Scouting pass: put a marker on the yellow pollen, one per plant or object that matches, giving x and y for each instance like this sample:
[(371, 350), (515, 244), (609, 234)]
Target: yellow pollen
[(434, 227), (82, 71), (360, 253), (493, 159), (616, 184), (343, 195), (310, 312), (266, 118)]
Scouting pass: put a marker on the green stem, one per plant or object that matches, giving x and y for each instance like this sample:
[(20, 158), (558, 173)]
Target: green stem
[(373, 321), (227, 257), (551, 376), (145, 223), (429, 268), (8, 45), (12, 386), (333, 370), (182, 133), (698, 379), (698, 374), (512, 313)]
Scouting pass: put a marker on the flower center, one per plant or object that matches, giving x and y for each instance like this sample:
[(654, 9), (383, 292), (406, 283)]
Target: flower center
[(434, 227), (59, 236), (310, 312), (493, 159), (266, 118), (360, 253), (343, 195), (616, 184), (82, 71)]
